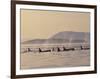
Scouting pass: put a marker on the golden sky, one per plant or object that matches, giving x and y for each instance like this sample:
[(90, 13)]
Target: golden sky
[(44, 24)]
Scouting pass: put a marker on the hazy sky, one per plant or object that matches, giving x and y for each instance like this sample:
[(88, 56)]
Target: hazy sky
[(43, 24)]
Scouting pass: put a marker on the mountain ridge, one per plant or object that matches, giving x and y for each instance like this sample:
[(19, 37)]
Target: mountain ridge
[(62, 37)]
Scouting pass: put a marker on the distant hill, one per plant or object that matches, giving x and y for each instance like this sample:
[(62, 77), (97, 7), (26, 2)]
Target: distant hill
[(71, 35), (35, 41), (63, 37)]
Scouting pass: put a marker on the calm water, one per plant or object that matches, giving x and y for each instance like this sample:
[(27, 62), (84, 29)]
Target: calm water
[(74, 58)]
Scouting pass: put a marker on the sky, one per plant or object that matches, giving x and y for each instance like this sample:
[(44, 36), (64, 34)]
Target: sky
[(40, 24)]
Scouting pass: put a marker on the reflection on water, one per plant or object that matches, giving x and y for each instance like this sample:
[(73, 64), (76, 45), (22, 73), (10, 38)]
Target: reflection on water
[(33, 58)]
